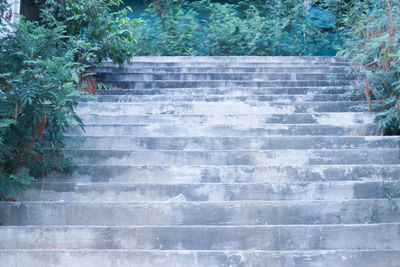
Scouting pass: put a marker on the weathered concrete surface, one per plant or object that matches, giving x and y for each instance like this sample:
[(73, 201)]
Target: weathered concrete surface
[(227, 174), (223, 130), (224, 158), (220, 83), (104, 142), (216, 76), (207, 108), (231, 91), (220, 98), (78, 258), (269, 238), (319, 69), (180, 212), (337, 118), (216, 161), (125, 191), (242, 59)]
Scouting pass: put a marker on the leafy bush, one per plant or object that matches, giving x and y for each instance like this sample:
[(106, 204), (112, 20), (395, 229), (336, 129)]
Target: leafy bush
[(109, 35), (372, 44), (173, 30), (37, 102), (203, 27), (43, 68)]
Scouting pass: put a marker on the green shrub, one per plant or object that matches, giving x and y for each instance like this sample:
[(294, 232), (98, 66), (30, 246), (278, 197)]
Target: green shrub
[(176, 27), (173, 30), (108, 35), (43, 67), (372, 44), (37, 101)]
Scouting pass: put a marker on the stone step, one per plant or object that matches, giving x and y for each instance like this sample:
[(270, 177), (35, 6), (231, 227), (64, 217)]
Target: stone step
[(66, 191), (216, 76), (287, 238), (224, 59), (247, 158), (212, 258), (219, 98), (199, 213), (197, 130), (338, 118), (220, 84), (231, 63), (226, 174), (230, 143), (206, 108), (220, 68), (193, 64), (232, 91)]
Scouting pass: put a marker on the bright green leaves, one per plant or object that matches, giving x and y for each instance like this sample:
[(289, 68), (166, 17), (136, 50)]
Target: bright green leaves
[(38, 96), (102, 34), (42, 65)]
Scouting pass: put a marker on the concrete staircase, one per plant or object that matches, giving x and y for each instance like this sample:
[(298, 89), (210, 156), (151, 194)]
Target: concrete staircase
[(216, 161)]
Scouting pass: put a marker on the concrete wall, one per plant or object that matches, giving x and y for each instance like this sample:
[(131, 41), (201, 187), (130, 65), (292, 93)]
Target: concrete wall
[(11, 14)]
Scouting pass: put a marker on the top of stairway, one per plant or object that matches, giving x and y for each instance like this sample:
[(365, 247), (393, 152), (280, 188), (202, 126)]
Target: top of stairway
[(241, 59)]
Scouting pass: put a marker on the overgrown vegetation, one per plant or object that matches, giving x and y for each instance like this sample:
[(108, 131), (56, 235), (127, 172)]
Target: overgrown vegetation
[(370, 30), (106, 34), (178, 27), (42, 73)]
